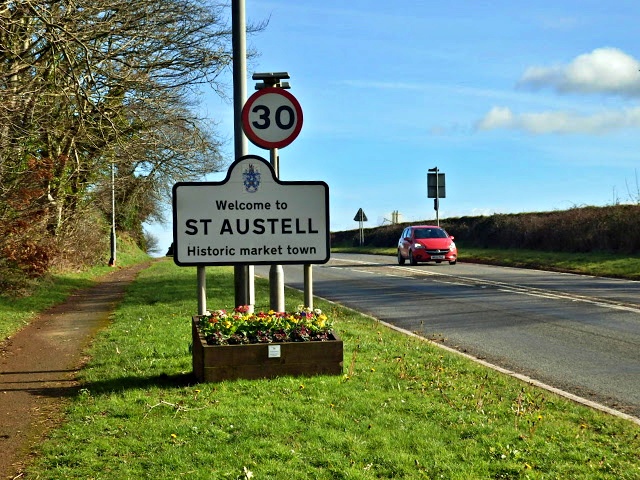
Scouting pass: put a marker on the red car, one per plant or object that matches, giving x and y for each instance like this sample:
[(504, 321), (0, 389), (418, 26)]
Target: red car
[(426, 243)]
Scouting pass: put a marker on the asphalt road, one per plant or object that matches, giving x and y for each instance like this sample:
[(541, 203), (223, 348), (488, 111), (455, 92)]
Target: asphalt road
[(577, 333)]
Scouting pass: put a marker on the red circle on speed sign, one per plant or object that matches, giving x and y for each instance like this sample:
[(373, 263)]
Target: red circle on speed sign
[(272, 118)]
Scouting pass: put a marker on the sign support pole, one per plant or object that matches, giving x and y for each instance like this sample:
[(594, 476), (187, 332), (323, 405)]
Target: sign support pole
[(276, 272), (273, 81), (261, 131), (433, 189), (308, 285), (202, 290), (360, 218), (437, 201)]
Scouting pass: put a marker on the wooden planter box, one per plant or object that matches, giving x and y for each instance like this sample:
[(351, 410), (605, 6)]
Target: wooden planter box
[(213, 363)]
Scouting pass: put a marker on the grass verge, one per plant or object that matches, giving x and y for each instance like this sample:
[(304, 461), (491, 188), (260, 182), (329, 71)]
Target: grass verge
[(16, 312), (402, 409), (597, 264)]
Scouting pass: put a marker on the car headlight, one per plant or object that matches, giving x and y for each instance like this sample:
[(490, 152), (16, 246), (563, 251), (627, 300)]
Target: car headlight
[(418, 245), (452, 247)]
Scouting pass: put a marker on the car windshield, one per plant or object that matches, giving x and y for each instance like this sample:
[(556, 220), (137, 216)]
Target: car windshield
[(430, 233)]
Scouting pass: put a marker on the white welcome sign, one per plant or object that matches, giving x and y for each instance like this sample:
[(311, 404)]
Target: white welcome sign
[(250, 218)]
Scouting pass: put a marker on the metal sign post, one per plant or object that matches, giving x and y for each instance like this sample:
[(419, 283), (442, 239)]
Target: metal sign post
[(272, 118), (276, 272), (360, 218), (436, 189)]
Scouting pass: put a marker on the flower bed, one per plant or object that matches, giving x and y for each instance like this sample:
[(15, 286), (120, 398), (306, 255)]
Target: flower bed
[(264, 345), (241, 327)]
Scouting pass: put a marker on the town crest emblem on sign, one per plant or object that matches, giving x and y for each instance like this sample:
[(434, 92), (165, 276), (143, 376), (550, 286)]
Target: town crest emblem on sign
[(251, 179)]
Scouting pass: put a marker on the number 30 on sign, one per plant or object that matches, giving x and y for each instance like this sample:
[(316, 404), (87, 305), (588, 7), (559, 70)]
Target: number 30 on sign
[(272, 118)]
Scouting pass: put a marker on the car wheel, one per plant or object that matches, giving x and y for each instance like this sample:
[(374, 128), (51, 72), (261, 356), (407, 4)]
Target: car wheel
[(400, 258), (453, 262), (412, 260)]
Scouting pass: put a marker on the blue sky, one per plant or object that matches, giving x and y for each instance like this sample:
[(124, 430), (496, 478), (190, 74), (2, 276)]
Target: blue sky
[(525, 106)]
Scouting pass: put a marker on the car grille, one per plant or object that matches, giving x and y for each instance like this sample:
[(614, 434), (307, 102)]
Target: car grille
[(437, 252)]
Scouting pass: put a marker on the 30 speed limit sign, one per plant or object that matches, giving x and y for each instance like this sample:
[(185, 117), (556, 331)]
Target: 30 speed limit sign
[(272, 118)]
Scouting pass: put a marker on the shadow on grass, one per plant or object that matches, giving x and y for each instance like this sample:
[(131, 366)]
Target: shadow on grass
[(71, 389), (179, 380)]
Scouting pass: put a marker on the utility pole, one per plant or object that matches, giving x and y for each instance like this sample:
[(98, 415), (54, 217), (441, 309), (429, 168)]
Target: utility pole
[(243, 274), (112, 260)]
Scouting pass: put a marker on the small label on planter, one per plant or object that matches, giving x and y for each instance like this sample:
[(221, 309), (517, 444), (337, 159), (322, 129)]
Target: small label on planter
[(274, 351)]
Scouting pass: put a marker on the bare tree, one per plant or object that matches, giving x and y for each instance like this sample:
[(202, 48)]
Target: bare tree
[(86, 84)]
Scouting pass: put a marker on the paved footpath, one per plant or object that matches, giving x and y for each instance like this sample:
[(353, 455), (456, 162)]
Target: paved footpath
[(38, 366)]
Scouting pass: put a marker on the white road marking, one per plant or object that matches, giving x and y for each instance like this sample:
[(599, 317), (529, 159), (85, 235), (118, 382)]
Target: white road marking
[(502, 286)]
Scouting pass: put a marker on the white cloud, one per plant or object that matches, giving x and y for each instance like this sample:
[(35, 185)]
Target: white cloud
[(604, 70), (560, 122), (498, 117), (559, 23)]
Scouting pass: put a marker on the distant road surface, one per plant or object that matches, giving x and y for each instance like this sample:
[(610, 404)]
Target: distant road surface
[(577, 333)]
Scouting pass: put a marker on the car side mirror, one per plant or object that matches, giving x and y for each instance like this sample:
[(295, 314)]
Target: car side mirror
[(451, 237)]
